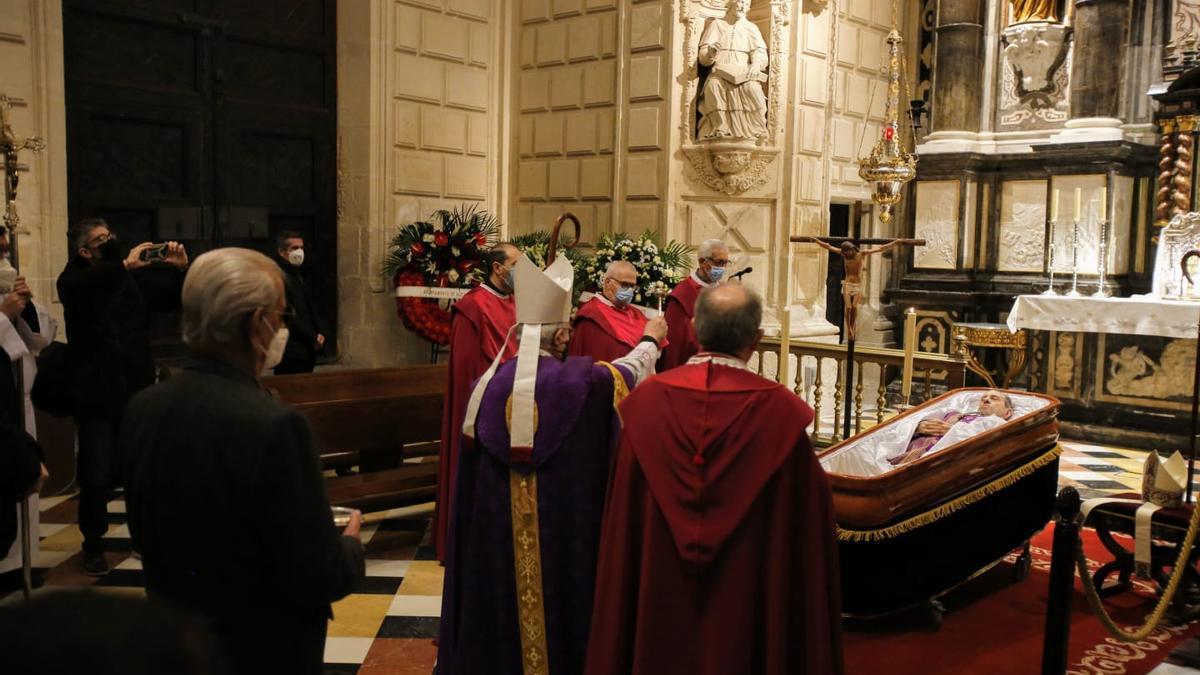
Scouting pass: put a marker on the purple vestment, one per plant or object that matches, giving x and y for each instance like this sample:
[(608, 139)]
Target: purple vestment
[(923, 443), (575, 434)]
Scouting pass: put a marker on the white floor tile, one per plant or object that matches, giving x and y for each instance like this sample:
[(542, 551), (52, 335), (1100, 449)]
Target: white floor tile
[(130, 563), (387, 568), (116, 506), (416, 605), (51, 529), (347, 649), (47, 503), (118, 532)]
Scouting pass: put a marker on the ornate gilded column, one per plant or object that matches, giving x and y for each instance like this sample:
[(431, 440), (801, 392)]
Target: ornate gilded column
[(1185, 139), (1097, 69), (958, 86), (1166, 173)]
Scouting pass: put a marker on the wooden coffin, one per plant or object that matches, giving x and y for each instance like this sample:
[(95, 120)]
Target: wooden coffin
[(864, 503)]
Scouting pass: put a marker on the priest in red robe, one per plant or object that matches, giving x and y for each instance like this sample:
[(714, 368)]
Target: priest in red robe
[(479, 323), (608, 325), (712, 260), (717, 552)]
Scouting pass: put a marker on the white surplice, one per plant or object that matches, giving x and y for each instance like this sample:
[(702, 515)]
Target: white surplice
[(21, 344)]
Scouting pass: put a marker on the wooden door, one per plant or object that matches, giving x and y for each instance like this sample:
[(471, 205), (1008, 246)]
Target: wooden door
[(207, 121)]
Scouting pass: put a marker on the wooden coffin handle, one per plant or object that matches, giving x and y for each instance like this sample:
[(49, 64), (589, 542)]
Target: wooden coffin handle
[(552, 250), (1194, 253)]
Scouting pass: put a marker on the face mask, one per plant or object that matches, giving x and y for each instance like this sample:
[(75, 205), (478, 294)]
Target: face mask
[(296, 257), (275, 350), (716, 274), (509, 279), (109, 250), (624, 296)]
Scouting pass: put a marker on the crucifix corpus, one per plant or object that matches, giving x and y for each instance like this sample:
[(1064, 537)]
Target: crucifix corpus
[(854, 258)]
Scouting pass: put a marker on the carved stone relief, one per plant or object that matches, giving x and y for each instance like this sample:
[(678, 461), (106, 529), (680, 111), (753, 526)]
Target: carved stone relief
[(937, 223), (1022, 226), (1034, 79), (730, 158), (1064, 362), (1131, 372), (1186, 20)]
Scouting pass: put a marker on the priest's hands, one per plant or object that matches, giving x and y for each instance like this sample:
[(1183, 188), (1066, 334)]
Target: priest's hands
[(354, 526), (656, 328), (933, 428), (12, 305)]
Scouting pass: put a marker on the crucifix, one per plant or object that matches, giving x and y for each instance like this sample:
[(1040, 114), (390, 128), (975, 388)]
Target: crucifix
[(10, 145), (855, 261)]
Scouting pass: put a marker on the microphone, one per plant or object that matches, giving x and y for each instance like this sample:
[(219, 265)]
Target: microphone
[(738, 275)]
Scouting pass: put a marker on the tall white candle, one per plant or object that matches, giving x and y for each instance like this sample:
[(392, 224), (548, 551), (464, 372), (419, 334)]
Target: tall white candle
[(785, 347), (1054, 206), (1078, 202), (910, 344)]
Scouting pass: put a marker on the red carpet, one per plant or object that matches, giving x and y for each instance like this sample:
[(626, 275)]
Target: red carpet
[(994, 625)]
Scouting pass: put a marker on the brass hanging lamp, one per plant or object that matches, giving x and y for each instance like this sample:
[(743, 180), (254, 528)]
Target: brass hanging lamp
[(890, 165)]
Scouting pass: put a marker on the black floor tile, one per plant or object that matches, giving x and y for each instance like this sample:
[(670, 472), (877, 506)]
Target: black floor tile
[(122, 579), (1102, 468), (425, 553), (1103, 454), (380, 585), (1104, 484), (419, 627), (340, 669)]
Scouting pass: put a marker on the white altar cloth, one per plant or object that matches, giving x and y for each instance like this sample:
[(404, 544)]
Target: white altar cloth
[(1140, 315)]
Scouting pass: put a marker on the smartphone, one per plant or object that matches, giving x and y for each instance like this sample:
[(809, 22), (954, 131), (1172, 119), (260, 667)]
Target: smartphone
[(155, 253)]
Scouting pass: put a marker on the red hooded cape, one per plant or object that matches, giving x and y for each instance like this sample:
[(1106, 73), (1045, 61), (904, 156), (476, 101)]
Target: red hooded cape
[(718, 551), (679, 310), (478, 325), (605, 332)]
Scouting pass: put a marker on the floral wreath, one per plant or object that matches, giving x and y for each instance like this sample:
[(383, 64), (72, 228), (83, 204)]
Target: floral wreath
[(443, 252)]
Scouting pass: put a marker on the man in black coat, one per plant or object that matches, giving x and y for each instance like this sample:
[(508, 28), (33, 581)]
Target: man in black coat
[(306, 330), (108, 294), (224, 490)]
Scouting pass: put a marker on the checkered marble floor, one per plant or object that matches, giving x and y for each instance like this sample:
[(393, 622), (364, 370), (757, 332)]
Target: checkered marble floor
[(388, 627)]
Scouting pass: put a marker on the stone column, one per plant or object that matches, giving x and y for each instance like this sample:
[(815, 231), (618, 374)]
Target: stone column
[(1097, 65), (958, 86)]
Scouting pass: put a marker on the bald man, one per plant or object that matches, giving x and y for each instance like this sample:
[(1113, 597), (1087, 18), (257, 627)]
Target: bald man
[(478, 325), (719, 520), (608, 325)]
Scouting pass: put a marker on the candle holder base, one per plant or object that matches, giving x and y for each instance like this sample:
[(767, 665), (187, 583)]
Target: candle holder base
[(1101, 293), (1074, 294), (1050, 292)]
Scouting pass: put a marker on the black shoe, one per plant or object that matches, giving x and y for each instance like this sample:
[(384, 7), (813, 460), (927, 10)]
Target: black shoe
[(95, 565)]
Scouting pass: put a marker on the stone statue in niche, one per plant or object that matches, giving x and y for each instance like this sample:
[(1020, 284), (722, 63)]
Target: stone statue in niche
[(732, 105), (1034, 10)]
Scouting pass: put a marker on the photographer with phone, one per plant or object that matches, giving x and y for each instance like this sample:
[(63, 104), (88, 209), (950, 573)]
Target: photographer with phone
[(108, 294)]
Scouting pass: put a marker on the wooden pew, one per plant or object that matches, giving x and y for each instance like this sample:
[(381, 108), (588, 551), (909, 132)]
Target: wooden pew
[(387, 421)]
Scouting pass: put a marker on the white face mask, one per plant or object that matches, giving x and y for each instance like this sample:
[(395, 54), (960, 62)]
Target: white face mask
[(296, 257), (275, 350)]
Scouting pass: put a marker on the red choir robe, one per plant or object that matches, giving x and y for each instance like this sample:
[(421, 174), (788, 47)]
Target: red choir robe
[(606, 332), (717, 552), (478, 325), (679, 310)]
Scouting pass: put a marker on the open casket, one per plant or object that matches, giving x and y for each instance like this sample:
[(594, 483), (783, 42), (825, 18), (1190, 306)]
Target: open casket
[(909, 533)]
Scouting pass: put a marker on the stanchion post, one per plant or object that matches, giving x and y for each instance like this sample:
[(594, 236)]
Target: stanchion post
[(1062, 582)]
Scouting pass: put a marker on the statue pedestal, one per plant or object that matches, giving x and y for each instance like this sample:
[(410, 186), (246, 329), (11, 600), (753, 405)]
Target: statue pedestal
[(730, 167)]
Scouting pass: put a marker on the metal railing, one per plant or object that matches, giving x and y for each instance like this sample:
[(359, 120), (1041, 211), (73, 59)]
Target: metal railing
[(817, 372)]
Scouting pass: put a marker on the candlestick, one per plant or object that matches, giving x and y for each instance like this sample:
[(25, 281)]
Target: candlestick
[(1101, 291), (910, 343), (785, 347), (1050, 254), (1104, 201), (1074, 293), (1078, 202)]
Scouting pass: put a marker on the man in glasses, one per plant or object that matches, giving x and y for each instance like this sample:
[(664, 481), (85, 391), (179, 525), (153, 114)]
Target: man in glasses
[(108, 293), (609, 325), (712, 261)]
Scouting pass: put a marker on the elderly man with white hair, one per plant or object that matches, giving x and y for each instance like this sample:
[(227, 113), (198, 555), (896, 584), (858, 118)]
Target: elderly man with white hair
[(712, 260), (608, 325), (224, 489)]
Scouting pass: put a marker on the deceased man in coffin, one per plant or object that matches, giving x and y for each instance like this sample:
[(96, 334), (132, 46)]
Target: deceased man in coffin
[(940, 492)]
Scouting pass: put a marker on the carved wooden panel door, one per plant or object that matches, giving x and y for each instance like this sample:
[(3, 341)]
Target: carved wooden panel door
[(207, 121)]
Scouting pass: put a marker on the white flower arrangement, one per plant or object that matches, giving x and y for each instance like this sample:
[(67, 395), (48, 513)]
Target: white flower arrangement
[(659, 269)]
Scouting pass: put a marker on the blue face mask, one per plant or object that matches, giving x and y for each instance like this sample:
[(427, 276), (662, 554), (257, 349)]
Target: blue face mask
[(716, 274), (624, 296)]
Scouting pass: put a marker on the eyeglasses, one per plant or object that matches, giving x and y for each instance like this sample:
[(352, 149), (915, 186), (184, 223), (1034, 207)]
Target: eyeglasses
[(624, 284), (102, 239), (718, 263)]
